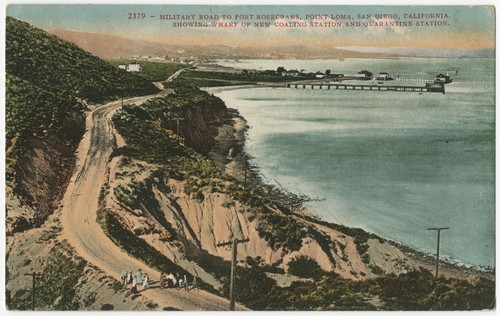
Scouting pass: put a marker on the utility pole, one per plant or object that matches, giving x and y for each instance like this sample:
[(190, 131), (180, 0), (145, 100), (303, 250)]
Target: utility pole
[(234, 251), (438, 229), (245, 176), (35, 275), (178, 119)]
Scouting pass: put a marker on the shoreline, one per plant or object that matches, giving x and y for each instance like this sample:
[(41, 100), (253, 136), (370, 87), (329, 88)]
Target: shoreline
[(229, 154), (215, 90)]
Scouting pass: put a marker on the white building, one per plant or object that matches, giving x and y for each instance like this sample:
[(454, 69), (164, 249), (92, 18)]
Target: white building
[(131, 67), (134, 68), (291, 73)]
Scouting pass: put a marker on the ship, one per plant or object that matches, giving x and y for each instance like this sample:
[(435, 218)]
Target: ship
[(444, 79)]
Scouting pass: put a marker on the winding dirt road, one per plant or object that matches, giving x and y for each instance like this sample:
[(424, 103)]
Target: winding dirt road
[(79, 215)]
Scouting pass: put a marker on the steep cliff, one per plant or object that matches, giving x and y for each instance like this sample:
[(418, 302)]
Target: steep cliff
[(183, 204)]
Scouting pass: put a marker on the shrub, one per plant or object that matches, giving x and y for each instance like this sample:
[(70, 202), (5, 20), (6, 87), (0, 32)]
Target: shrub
[(305, 267)]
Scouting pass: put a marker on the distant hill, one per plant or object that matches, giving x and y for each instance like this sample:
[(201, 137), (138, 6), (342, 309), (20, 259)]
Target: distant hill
[(426, 52), (117, 46)]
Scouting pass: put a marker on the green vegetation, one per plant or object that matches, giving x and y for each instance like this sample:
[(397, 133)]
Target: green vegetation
[(200, 82), (136, 246), (151, 71), (58, 285), (62, 67), (281, 231), (47, 81), (304, 267), (200, 78), (360, 236), (243, 76), (416, 290), (30, 112)]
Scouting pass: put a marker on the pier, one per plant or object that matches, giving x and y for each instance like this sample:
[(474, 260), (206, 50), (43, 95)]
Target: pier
[(428, 87)]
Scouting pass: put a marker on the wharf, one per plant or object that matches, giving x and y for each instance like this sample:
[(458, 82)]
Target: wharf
[(429, 87)]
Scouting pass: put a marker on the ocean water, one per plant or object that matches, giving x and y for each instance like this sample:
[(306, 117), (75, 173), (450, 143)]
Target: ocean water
[(393, 163)]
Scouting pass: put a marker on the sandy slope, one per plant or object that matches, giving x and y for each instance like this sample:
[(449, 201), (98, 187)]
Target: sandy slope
[(79, 207)]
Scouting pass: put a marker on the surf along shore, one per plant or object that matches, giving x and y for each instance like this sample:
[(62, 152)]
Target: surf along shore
[(229, 154)]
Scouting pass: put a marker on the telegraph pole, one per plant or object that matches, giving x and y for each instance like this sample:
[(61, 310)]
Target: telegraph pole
[(438, 229), (245, 175), (33, 289), (234, 245), (178, 119)]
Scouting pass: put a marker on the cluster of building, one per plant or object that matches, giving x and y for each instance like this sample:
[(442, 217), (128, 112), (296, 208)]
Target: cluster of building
[(384, 76), (367, 75)]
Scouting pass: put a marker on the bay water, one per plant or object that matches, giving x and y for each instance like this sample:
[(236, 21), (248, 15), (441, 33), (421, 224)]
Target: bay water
[(392, 163)]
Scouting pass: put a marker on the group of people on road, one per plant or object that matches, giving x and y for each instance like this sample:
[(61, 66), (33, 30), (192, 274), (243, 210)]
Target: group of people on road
[(166, 281), (139, 279), (171, 281)]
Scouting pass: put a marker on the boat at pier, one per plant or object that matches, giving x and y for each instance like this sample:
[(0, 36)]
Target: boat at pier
[(444, 79)]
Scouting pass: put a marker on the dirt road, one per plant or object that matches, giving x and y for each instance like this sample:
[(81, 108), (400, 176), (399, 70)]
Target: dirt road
[(79, 214)]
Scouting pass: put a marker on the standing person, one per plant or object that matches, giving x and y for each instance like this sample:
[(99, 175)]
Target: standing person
[(170, 280), (185, 283), (130, 277), (123, 276), (134, 286), (179, 280), (145, 282), (162, 280), (195, 283), (174, 281), (139, 277)]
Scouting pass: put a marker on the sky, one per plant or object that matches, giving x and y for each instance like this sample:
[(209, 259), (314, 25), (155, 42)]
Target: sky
[(465, 27)]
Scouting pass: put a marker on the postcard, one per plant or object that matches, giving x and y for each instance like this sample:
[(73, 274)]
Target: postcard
[(249, 157)]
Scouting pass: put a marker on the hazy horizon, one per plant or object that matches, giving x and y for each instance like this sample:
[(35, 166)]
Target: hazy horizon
[(466, 27)]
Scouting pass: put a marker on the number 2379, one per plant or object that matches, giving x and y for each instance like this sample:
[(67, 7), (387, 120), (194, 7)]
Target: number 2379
[(136, 16)]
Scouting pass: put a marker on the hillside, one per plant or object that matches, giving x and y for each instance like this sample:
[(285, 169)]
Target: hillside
[(49, 83), (57, 65)]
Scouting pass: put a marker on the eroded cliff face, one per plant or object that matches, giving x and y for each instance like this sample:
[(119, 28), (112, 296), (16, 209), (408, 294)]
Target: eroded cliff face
[(42, 174), (197, 225), (198, 126)]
